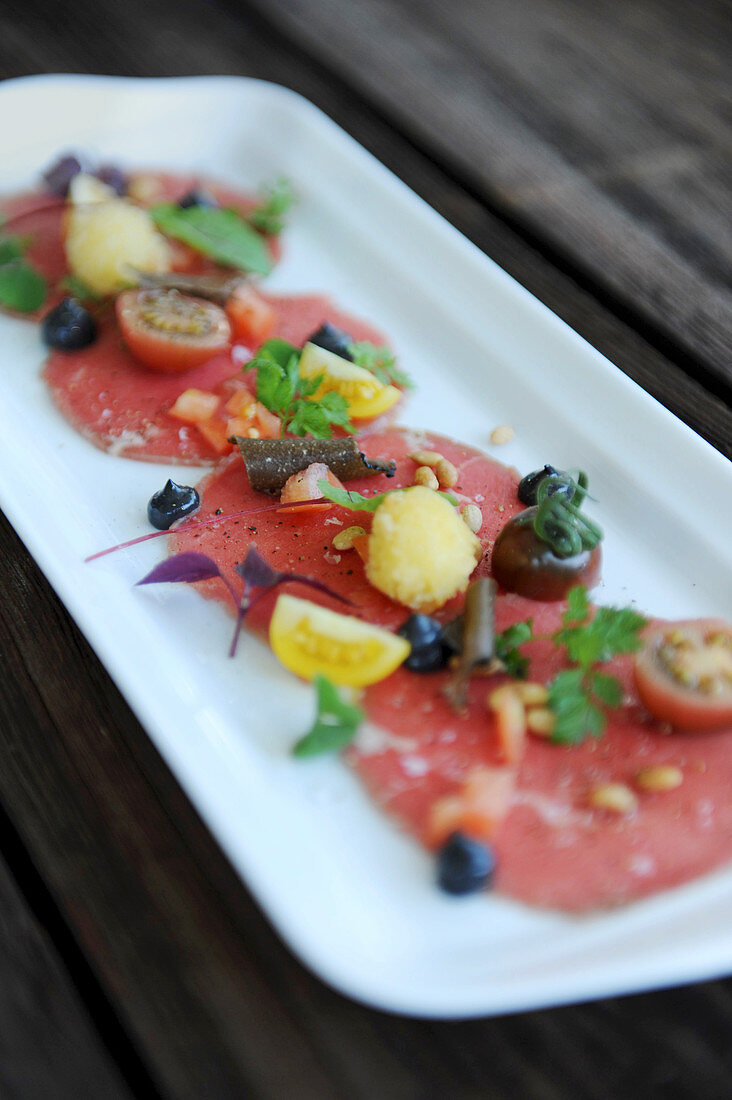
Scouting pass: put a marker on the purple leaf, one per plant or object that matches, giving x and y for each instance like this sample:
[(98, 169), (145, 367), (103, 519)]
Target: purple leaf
[(255, 572), (188, 568)]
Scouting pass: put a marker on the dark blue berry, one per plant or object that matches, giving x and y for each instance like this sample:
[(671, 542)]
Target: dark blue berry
[(528, 485), (171, 503), (59, 175), (429, 648), (332, 339), (198, 196), (114, 178), (68, 326), (464, 866)]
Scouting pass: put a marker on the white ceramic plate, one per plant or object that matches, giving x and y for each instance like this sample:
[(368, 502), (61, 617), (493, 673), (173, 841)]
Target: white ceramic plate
[(350, 895)]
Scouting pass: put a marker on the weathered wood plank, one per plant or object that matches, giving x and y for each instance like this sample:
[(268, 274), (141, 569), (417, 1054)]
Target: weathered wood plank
[(49, 1046), (600, 129)]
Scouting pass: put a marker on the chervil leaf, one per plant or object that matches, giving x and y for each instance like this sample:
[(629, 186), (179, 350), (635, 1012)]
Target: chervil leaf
[(277, 198), (222, 234), (381, 361), (335, 723), (607, 689), (281, 390), (612, 631), (21, 287), (575, 714), (507, 649), (578, 605)]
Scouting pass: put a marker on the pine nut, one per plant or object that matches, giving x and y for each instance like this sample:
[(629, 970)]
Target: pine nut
[(532, 694), (660, 777), (344, 539), (473, 516), (503, 434), (447, 475), (423, 475), (426, 458), (614, 797), (540, 721), (497, 698)]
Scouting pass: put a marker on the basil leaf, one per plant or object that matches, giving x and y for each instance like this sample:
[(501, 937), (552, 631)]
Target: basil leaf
[(335, 725), (21, 287), (219, 233)]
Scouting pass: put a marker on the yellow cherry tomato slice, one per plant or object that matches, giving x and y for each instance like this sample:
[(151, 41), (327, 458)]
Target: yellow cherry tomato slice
[(365, 395), (309, 639)]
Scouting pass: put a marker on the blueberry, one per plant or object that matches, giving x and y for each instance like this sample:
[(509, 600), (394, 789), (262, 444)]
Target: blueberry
[(332, 339), (59, 175), (113, 177), (429, 649), (464, 866), (528, 485), (68, 326), (198, 196), (171, 503)]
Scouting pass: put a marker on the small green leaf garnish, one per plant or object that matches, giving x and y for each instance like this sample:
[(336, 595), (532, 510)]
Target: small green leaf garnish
[(21, 287), (381, 361), (12, 248), (335, 722), (559, 520), (277, 199), (575, 694), (77, 288), (357, 502), (222, 234), (281, 390), (507, 649)]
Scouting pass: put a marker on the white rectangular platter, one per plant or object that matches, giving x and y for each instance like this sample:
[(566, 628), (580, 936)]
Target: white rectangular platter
[(351, 896)]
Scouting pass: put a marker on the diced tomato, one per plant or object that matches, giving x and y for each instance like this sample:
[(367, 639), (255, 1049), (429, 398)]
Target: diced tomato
[(684, 673), (252, 319), (242, 404), (169, 331), (269, 425), (478, 808), (303, 486), (215, 432), (194, 406)]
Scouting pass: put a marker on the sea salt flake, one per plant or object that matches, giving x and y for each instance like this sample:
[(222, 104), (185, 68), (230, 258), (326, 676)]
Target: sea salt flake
[(415, 766)]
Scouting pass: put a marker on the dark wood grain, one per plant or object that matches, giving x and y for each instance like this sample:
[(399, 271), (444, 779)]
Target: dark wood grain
[(210, 1000), (602, 129), (49, 1045)]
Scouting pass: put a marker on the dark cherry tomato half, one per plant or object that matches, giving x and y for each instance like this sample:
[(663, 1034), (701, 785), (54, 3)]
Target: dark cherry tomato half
[(524, 564), (684, 673), (170, 331)]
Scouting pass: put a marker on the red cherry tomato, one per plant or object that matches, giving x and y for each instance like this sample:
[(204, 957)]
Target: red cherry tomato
[(252, 319), (684, 673), (169, 331), (525, 564)]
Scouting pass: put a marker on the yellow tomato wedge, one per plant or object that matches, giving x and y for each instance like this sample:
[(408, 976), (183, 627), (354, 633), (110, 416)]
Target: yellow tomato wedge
[(366, 396), (309, 639)]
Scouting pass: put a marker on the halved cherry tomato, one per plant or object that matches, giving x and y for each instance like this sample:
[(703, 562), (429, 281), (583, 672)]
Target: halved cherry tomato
[(169, 331), (309, 639), (524, 563), (252, 319), (365, 395), (684, 673)]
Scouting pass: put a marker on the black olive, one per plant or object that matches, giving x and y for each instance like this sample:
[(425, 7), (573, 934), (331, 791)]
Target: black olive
[(113, 177), (198, 196), (429, 649), (464, 865), (332, 339), (58, 177), (528, 485), (171, 503), (68, 326)]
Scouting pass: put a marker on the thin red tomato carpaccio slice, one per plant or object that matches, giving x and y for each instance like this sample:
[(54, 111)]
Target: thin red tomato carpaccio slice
[(553, 849), (122, 406)]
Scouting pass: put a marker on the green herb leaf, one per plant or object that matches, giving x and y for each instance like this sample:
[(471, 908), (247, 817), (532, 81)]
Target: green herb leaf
[(281, 390), (507, 649), (576, 715), (357, 502), (21, 287), (578, 605), (12, 248), (612, 631), (335, 722), (607, 689), (222, 234), (277, 199), (381, 361)]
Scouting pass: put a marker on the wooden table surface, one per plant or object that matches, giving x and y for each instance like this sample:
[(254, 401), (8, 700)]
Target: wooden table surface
[(586, 148)]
